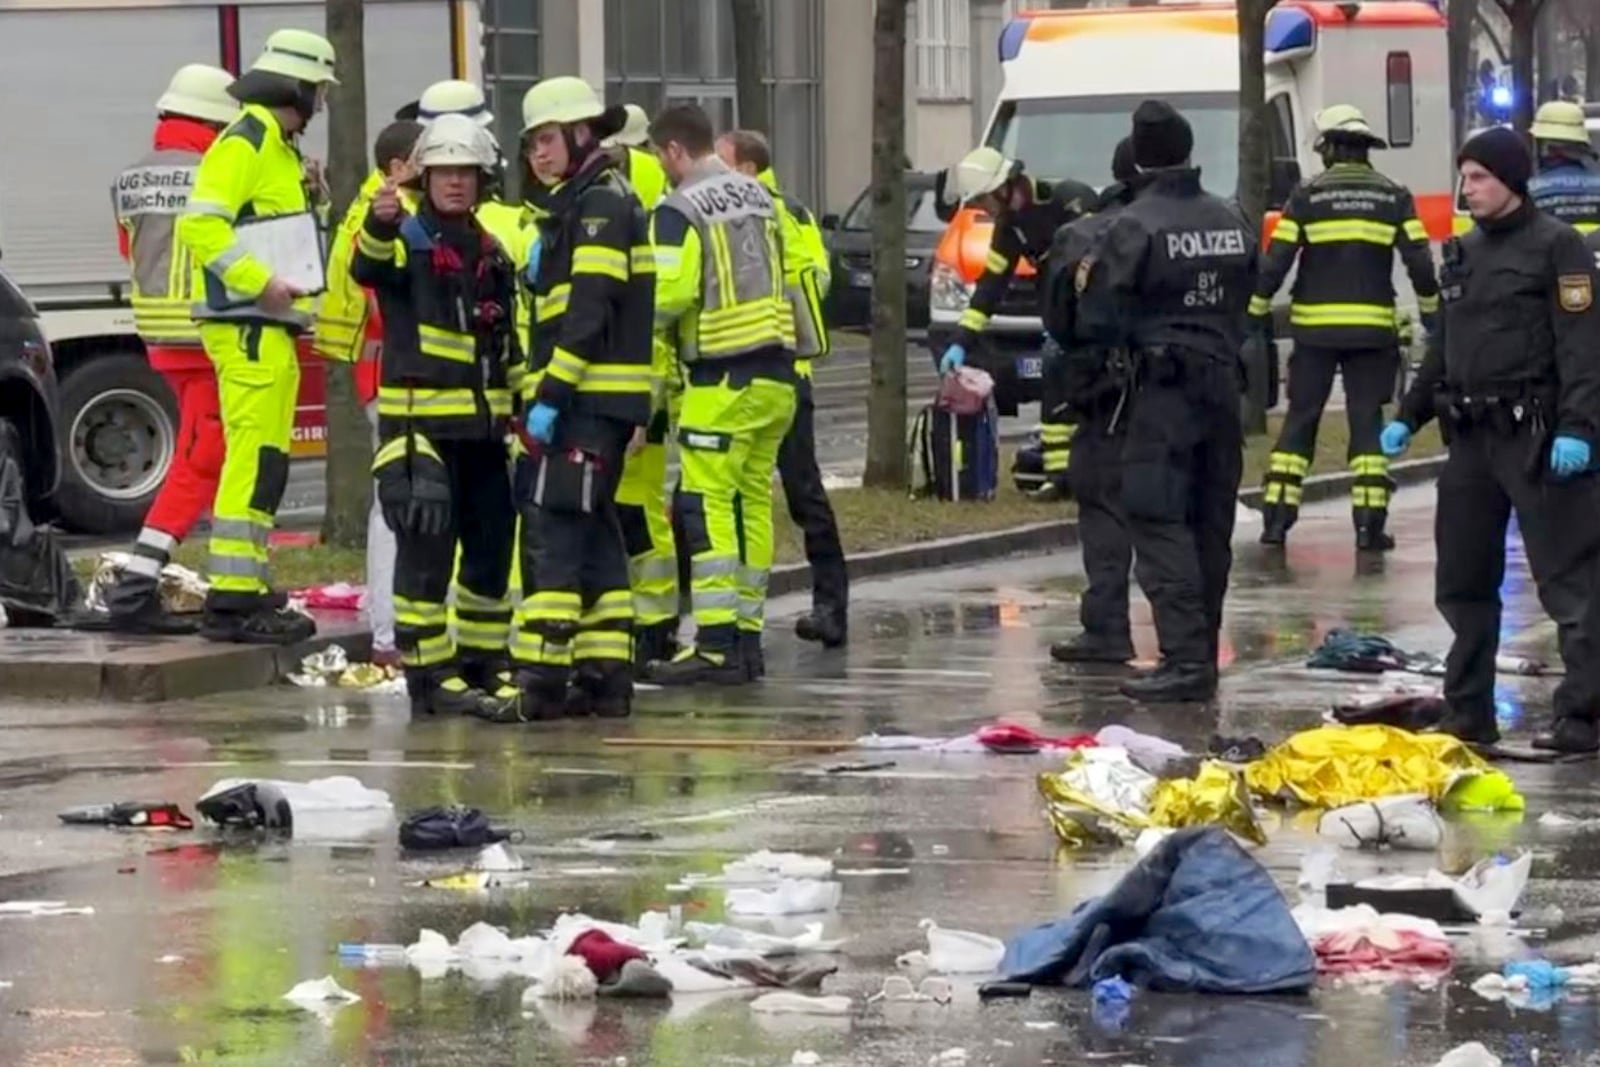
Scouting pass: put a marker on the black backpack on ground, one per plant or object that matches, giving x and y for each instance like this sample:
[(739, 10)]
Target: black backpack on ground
[(454, 827)]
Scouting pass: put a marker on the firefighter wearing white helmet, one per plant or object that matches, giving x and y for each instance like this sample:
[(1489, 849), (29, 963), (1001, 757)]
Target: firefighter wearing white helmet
[(593, 290), (1567, 185), (446, 288), (640, 165), (1027, 214), (1344, 227), (148, 198), (249, 318)]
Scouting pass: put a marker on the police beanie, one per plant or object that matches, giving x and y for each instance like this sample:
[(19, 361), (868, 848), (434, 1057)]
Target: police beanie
[(1161, 136), (1123, 168), (1503, 153)]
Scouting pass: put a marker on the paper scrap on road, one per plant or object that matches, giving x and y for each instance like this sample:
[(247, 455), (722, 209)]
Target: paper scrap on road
[(955, 951), (499, 858), (737, 939), (789, 897), (799, 1004), (1472, 1054), (322, 996), (41, 909)]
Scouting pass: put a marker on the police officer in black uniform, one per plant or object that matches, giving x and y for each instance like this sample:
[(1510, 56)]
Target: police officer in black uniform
[(1344, 227), (1086, 385), (1172, 278), (1514, 378)]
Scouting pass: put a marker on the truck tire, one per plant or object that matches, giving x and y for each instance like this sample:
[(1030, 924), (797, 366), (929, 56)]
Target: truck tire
[(118, 429)]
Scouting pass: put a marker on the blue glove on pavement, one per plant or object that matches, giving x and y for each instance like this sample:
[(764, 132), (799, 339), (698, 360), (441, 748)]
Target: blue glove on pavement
[(954, 357), (1395, 439), (541, 423), (530, 273), (1568, 455)]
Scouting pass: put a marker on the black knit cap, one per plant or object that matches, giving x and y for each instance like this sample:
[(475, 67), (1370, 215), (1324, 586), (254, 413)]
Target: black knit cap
[(1502, 152), (1123, 168), (1161, 136)]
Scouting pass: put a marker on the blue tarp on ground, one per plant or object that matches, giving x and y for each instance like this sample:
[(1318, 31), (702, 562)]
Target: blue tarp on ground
[(1197, 914)]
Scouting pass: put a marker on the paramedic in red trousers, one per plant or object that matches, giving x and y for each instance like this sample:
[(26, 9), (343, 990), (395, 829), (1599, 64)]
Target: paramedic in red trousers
[(350, 330), (1513, 378), (1027, 213), (446, 289), (148, 197)]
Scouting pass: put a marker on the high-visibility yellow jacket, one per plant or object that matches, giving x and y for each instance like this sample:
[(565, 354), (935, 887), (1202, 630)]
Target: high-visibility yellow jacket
[(806, 274)]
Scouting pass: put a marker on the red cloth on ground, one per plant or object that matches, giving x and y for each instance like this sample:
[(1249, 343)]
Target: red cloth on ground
[(1404, 951), (1008, 737), (604, 954), (191, 484)]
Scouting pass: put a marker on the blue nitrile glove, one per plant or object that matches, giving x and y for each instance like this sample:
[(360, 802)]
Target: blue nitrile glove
[(1395, 439), (1568, 455), (954, 358), (541, 423), (530, 273)]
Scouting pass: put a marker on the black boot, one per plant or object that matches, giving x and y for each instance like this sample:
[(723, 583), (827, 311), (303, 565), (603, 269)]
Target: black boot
[(1173, 683), (260, 626), (607, 689), (542, 698), (150, 618), (1370, 535), (1570, 736), (656, 643), (450, 694), (701, 666), (828, 626), (1276, 520), (1092, 648), (1469, 726), (752, 655)]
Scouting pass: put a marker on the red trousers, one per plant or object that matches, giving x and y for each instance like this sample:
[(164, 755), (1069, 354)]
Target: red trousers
[(191, 483)]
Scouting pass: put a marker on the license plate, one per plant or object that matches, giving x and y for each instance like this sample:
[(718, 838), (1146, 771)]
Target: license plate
[(1030, 366)]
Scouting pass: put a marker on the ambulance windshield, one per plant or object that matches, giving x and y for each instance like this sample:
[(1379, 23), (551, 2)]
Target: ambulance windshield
[(1074, 136)]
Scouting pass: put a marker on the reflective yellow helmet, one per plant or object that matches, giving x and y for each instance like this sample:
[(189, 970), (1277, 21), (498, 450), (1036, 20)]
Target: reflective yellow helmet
[(567, 100), (1345, 121), (1560, 120), (982, 170), (298, 54)]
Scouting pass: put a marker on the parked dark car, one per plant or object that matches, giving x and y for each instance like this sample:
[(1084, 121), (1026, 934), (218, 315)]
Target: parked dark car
[(28, 393), (849, 302)]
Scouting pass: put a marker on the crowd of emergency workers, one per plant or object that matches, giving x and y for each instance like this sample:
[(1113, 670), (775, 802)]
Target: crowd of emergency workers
[(528, 368)]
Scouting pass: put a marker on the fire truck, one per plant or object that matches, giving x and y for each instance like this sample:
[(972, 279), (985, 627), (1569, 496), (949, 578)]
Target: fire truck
[(82, 79), (1073, 78)]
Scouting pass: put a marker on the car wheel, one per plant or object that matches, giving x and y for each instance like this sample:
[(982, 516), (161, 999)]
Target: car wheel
[(118, 431)]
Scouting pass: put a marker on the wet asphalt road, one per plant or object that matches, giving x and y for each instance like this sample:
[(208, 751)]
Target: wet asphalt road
[(931, 654)]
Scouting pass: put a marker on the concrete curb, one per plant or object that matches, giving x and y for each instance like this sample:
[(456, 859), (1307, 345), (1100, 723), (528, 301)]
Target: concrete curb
[(1042, 537)]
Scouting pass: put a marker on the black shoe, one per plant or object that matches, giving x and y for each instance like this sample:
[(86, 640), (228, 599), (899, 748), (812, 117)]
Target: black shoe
[(694, 666), (607, 690), (264, 626), (1569, 735), (1469, 727), (1276, 521), (1086, 648), (539, 699), (1173, 683), (1370, 540), (453, 696), (150, 618), (656, 643), (753, 656), (827, 627)]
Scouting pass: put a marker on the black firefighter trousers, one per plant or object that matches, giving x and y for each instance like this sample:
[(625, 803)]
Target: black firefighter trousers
[(810, 510), (1180, 482), (1487, 476)]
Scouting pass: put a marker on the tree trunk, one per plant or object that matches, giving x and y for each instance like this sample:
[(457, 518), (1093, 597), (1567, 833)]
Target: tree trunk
[(1523, 16), (750, 64), (886, 399), (1591, 60), (1463, 83), (1255, 160), (348, 475)]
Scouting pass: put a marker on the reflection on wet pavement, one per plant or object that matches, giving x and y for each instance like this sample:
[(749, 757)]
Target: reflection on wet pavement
[(194, 941)]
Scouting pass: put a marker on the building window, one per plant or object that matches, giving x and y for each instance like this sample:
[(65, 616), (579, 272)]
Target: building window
[(944, 70), (510, 68)]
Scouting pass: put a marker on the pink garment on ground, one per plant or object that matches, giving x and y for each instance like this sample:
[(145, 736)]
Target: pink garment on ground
[(1379, 949)]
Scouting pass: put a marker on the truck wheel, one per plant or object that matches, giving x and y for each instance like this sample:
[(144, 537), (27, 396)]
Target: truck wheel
[(118, 429)]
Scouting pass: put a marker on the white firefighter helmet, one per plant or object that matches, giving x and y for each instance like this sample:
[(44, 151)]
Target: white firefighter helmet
[(1560, 120), (635, 132), (567, 100), (455, 140), (298, 54), (454, 97), (198, 91), (982, 170), (1346, 121)]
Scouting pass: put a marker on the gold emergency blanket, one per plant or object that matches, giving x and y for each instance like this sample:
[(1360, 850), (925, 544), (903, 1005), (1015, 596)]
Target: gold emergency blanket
[(1100, 796), (1332, 766)]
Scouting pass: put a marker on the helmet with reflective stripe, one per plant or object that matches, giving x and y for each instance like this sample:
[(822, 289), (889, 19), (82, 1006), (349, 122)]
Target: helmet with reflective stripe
[(1345, 122), (455, 140), (983, 170), (567, 101), (635, 132), (1560, 120), (197, 91), (298, 54), (454, 97)]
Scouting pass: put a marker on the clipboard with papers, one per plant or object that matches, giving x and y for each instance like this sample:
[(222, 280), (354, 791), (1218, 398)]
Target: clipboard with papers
[(289, 245)]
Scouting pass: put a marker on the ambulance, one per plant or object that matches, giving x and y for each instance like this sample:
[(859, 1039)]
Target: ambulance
[(83, 78), (1071, 80)]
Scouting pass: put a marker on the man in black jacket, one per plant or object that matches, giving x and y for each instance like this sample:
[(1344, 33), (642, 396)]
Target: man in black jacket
[(1513, 378)]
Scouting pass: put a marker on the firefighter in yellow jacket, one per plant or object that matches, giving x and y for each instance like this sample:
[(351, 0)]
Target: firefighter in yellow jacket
[(721, 291), (806, 275), (445, 287), (249, 319), (641, 168)]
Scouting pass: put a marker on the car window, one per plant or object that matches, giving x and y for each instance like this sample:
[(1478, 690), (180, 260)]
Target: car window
[(13, 304), (921, 213), (859, 217)]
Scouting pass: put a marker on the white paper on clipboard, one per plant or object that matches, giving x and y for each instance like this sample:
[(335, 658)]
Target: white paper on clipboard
[(289, 245)]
